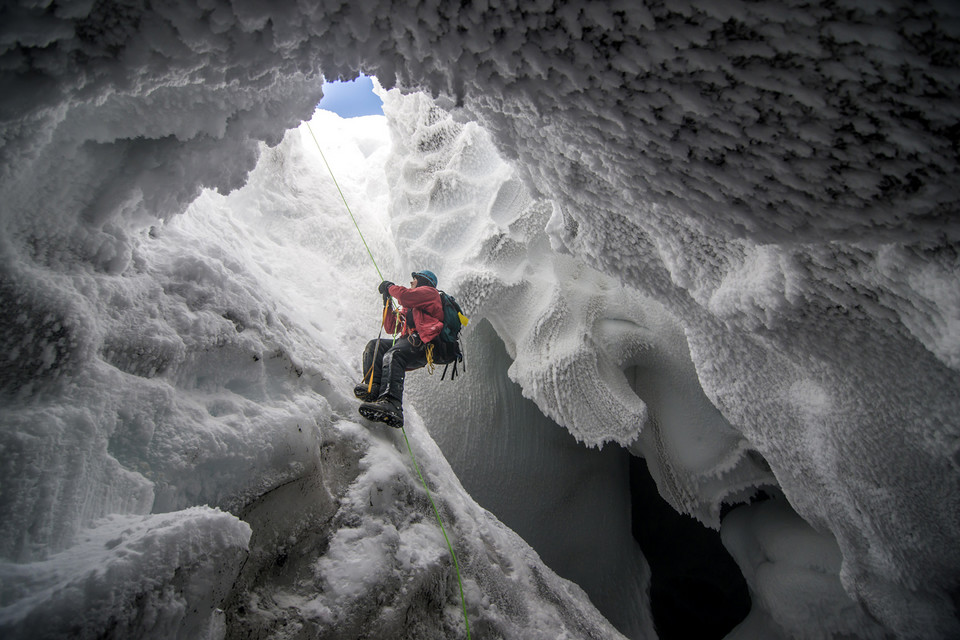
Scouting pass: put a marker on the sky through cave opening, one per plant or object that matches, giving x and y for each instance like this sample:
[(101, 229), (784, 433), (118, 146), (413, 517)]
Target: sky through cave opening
[(352, 98)]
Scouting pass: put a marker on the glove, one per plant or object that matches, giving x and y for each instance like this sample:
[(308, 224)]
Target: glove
[(383, 289)]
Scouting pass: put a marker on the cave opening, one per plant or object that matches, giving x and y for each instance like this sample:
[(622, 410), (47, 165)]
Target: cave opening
[(696, 588)]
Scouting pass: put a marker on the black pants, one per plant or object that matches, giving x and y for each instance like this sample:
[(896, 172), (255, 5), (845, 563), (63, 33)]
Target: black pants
[(393, 361)]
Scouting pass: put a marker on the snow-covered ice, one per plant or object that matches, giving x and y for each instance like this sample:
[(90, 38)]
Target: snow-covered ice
[(721, 236), (228, 353)]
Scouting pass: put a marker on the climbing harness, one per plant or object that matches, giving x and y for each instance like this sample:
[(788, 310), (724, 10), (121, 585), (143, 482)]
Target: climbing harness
[(456, 565)]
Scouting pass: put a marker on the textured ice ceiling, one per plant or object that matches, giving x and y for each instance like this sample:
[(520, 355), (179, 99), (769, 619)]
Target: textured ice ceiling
[(780, 176)]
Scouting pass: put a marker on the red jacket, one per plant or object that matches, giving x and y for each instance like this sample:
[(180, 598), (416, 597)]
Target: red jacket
[(427, 309)]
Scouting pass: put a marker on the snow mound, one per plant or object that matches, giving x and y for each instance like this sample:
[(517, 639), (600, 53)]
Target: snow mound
[(157, 576)]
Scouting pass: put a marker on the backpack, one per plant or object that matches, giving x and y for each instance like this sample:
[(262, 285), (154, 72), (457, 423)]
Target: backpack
[(447, 349)]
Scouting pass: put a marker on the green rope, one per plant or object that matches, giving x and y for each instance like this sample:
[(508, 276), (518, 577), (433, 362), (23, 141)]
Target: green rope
[(453, 555), (337, 184), (436, 511)]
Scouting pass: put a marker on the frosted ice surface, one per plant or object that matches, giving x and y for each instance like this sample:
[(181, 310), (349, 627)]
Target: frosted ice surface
[(793, 576), (594, 356), (775, 182), (535, 477), (220, 374), (156, 576)]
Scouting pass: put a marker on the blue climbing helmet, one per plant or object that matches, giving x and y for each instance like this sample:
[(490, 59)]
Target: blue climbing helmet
[(426, 275)]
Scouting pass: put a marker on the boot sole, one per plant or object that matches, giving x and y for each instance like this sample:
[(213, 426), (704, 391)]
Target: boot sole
[(379, 416)]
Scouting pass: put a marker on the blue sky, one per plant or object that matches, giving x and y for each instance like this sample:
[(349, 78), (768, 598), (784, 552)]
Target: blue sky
[(351, 99)]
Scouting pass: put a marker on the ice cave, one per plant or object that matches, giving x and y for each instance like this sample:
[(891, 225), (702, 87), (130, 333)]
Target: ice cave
[(710, 252)]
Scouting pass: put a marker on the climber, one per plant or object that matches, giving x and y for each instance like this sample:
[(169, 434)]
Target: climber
[(420, 318)]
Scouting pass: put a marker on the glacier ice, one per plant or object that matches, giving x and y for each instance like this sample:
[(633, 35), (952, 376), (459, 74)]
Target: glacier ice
[(720, 235), (158, 576), (223, 379)]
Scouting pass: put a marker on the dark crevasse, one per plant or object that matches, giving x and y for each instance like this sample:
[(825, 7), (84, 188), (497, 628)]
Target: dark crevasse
[(696, 588), (569, 502)]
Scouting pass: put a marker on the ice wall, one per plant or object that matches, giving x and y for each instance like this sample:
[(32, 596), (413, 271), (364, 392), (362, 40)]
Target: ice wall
[(220, 375), (600, 358), (570, 333), (570, 503), (782, 180)]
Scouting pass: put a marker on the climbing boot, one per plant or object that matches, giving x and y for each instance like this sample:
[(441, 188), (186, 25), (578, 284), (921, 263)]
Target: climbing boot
[(367, 396), (386, 410)]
